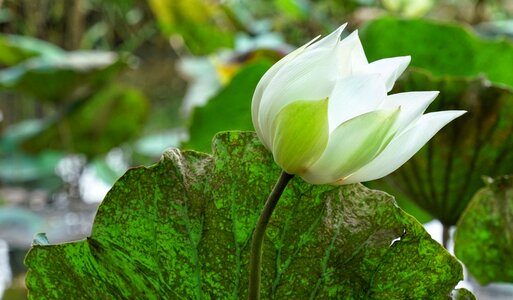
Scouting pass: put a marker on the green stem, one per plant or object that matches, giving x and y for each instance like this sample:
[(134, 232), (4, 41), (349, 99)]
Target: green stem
[(446, 235), (258, 235)]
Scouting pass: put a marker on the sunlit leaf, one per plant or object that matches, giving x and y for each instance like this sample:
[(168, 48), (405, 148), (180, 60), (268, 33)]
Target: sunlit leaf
[(442, 48), (408, 8), (293, 8), (484, 236), (180, 230), (204, 25)]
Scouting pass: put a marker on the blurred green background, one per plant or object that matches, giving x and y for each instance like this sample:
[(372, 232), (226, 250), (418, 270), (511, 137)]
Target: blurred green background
[(89, 88)]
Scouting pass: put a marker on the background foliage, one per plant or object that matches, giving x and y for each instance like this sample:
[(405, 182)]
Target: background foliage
[(89, 88)]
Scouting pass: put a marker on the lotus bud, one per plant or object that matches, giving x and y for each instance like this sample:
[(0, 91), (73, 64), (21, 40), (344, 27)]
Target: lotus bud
[(325, 114)]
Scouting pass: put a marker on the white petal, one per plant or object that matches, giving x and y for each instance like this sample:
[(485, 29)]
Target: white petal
[(353, 144), (262, 85), (311, 76), (404, 146), (330, 40), (413, 105), (390, 69), (353, 96), (343, 53), (357, 59)]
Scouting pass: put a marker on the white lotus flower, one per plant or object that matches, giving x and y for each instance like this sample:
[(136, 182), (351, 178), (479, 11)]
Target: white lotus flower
[(324, 112)]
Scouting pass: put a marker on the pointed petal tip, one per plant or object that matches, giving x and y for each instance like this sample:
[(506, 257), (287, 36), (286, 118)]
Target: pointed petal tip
[(342, 27), (317, 41), (400, 60), (339, 31), (443, 117), (429, 96), (406, 60), (352, 36), (459, 113), (312, 41), (455, 113), (331, 39), (355, 35), (396, 154)]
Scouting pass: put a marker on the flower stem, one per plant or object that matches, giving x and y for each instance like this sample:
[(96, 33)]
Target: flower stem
[(446, 235), (258, 235)]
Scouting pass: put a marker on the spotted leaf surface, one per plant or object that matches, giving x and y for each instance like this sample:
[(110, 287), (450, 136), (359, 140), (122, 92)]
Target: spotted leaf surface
[(181, 229)]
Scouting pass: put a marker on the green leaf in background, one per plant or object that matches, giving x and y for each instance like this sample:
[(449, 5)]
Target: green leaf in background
[(13, 136), (412, 9), (111, 117), (484, 236), (57, 78), (181, 229), (230, 109), (16, 48), (296, 10), (444, 49), (443, 176), (20, 168), (205, 26)]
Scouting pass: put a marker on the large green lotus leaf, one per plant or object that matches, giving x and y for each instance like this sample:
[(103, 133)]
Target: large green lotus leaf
[(181, 229), (442, 177), (404, 202), (16, 48), (442, 48), (94, 125), (57, 78), (484, 236), (229, 109)]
